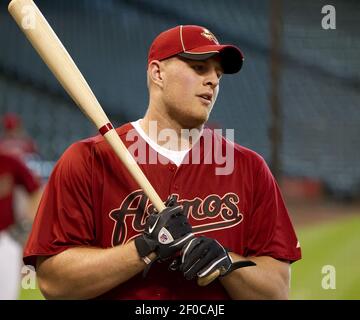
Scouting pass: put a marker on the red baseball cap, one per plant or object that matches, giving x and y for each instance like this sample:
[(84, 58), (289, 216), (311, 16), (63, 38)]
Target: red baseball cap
[(11, 121), (195, 43)]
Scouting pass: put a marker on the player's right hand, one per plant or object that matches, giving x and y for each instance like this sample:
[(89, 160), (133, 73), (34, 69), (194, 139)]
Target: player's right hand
[(165, 233), (202, 256)]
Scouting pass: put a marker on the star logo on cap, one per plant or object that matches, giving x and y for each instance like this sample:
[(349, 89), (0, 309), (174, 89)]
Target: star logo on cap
[(210, 36)]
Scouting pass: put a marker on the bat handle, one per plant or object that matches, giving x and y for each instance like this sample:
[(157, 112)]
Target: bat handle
[(204, 281)]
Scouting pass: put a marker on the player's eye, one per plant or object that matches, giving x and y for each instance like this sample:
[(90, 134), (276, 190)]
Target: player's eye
[(198, 67)]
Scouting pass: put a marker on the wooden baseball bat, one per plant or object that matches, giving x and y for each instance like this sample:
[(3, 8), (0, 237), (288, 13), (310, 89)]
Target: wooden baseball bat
[(43, 38), (51, 50)]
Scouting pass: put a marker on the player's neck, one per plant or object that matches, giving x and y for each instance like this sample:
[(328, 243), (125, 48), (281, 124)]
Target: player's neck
[(168, 133)]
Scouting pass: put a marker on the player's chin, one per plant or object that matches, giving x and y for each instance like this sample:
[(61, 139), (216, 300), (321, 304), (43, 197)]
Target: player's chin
[(200, 119), (195, 117), (195, 120), (205, 113)]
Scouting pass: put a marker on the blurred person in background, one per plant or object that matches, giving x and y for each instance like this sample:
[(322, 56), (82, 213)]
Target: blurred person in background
[(16, 142), (14, 138), (14, 226)]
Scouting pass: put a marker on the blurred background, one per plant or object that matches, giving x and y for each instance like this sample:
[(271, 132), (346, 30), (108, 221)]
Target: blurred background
[(296, 102)]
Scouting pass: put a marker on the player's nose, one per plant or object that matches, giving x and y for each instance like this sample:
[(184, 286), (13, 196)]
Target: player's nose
[(212, 79)]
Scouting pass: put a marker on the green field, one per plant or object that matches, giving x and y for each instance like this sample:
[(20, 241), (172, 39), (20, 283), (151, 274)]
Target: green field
[(335, 243), (33, 294)]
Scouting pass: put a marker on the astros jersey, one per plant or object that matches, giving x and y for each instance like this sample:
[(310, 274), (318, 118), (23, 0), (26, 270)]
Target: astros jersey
[(92, 200), (12, 172)]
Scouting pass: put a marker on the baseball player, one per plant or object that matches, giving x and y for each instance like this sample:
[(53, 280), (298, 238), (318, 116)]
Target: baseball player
[(96, 234), (13, 174), (14, 139)]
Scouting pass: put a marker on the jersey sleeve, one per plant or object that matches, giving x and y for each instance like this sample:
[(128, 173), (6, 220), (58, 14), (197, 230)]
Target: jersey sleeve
[(64, 218), (271, 231)]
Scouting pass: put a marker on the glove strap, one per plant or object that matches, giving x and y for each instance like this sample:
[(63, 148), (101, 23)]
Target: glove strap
[(148, 266), (238, 265), (146, 259)]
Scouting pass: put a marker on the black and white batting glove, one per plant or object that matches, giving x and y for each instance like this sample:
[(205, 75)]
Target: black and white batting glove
[(202, 256), (165, 233)]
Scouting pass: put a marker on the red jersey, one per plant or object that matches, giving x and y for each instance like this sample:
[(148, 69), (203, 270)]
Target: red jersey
[(13, 172), (92, 200)]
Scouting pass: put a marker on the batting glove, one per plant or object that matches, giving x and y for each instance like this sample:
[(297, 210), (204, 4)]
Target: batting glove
[(202, 256), (165, 233)]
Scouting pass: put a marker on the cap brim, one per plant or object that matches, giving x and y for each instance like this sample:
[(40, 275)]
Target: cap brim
[(230, 56)]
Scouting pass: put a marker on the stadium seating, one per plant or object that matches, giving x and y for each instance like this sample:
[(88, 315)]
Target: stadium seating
[(109, 40)]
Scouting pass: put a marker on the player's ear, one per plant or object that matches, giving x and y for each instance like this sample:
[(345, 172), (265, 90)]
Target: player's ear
[(155, 73)]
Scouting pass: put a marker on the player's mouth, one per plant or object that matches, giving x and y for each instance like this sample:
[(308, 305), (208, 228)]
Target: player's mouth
[(206, 98)]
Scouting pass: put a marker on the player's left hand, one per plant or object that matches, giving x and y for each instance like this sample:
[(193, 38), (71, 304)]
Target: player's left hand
[(202, 256)]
